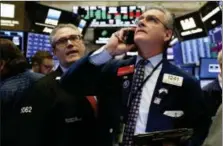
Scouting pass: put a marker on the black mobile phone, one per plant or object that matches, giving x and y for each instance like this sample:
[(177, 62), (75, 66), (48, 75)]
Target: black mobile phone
[(129, 37)]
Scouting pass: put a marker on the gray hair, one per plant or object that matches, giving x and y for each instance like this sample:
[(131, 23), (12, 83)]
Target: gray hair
[(59, 26), (169, 17)]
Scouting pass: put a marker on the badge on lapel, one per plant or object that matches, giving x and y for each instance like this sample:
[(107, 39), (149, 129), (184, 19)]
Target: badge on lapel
[(126, 84), (125, 70), (173, 79), (162, 93)]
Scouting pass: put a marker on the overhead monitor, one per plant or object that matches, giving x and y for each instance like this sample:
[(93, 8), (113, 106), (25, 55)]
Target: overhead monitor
[(109, 16), (190, 26), (44, 19), (211, 14)]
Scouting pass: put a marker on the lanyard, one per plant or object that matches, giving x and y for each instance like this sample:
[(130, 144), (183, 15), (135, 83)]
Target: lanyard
[(143, 83)]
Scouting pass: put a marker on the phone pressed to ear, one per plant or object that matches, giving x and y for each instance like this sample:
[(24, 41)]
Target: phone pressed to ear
[(129, 37)]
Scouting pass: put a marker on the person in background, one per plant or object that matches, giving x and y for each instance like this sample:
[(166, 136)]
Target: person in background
[(15, 81), (214, 137), (144, 93), (213, 91), (213, 95), (58, 118), (42, 62)]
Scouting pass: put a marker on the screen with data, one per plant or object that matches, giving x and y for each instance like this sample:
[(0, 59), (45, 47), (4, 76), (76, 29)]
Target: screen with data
[(193, 50), (112, 16), (16, 37), (215, 36), (209, 68), (36, 42)]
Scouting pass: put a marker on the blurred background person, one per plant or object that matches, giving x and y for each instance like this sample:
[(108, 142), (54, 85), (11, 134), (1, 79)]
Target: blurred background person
[(15, 80), (213, 95), (213, 91), (42, 62), (214, 137)]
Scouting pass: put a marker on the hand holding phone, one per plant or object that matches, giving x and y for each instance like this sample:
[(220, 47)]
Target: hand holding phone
[(129, 36), (116, 44)]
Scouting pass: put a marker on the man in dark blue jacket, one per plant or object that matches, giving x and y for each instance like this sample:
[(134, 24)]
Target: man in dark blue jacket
[(144, 93), (213, 91), (15, 81)]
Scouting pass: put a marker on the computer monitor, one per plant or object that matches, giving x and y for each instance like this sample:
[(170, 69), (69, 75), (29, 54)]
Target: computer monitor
[(36, 42), (193, 50), (209, 68), (215, 36), (17, 37)]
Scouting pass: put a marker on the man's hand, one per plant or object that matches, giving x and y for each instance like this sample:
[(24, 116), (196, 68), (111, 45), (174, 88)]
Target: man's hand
[(116, 45)]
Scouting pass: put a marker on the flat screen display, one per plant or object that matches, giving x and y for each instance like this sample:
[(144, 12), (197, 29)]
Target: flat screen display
[(36, 42), (17, 37), (209, 68)]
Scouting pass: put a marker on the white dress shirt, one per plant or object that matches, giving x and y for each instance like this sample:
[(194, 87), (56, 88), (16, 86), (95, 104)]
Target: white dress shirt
[(64, 69), (101, 56)]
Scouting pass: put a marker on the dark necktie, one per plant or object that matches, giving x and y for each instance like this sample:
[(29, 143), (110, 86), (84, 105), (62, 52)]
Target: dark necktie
[(134, 105)]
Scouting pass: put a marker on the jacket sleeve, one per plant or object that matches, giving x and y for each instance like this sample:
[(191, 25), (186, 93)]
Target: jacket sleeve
[(198, 113), (84, 76)]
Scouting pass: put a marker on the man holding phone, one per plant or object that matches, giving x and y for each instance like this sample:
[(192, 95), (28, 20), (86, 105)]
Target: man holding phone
[(144, 93)]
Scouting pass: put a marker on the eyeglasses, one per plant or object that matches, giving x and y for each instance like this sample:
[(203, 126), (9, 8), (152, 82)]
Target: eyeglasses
[(62, 42), (150, 18)]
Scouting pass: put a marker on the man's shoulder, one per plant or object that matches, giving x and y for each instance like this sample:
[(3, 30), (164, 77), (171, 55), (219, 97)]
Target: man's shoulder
[(179, 72), (214, 85), (33, 75), (48, 79), (114, 64)]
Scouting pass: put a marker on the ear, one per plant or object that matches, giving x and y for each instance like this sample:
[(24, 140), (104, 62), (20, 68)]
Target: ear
[(168, 35)]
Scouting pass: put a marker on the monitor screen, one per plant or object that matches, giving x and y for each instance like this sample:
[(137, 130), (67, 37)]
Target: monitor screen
[(215, 36), (205, 82), (35, 42), (44, 18), (211, 14), (109, 16), (190, 26), (12, 15), (209, 68), (17, 37), (193, 50)]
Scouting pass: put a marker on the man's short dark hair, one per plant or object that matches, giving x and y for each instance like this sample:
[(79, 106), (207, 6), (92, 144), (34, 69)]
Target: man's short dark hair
[(40, 56), (15, 61)]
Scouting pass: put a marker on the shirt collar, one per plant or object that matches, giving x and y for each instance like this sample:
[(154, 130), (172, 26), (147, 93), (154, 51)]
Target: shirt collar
[(64, 69), (153, 60)]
